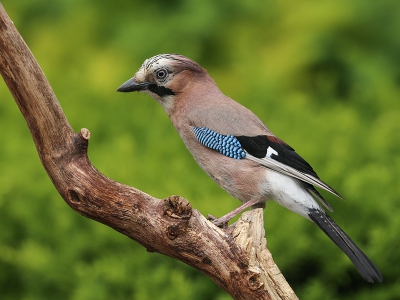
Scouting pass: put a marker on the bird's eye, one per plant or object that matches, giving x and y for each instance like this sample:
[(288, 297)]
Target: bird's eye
[(161, 74)]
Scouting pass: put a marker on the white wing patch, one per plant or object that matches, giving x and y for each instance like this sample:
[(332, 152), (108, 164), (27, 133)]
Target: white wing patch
[(271, 151)]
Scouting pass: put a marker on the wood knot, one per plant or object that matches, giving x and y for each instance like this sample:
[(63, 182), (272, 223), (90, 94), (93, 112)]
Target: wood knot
[(207, 260), (84, 133), (177, 207), (73, 196), (254, 282), (173, 231), (82, 139)]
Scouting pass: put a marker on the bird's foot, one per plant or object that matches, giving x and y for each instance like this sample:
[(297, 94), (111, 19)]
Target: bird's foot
[(223, 221), (211, 217), (219, 222)]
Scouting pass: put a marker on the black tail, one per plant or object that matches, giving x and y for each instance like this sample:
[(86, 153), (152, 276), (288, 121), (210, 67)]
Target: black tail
[(364, 265)]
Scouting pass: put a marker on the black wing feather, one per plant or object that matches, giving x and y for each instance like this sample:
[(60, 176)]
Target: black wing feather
[(255, 145), (258, 147)]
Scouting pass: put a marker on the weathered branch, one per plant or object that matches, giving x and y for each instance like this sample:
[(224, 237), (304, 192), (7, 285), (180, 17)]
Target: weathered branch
[(242, 265)]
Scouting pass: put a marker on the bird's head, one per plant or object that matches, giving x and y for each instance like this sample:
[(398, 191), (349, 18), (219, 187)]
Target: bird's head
[(163, 77)]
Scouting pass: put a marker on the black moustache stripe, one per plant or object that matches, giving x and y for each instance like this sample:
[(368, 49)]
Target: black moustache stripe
[(160, 90)]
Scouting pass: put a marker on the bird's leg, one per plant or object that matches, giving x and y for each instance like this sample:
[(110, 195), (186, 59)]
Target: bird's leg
[(225, 219)]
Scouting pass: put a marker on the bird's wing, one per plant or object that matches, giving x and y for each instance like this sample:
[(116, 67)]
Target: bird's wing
[(269, 151), (275, 154)]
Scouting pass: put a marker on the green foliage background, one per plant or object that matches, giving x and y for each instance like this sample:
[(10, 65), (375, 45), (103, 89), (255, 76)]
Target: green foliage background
[(323, 75)]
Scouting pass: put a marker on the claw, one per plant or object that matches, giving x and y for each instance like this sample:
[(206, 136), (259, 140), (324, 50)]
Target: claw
[(211, 218), (219, 222)]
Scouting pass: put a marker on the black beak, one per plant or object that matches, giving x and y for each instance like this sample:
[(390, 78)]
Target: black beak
[(132, 86)]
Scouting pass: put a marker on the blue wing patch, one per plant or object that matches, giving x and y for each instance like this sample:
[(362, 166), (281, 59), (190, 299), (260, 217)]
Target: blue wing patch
[(227, 145)]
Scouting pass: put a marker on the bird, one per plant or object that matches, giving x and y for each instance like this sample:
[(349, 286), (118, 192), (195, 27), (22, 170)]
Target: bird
[(234, 147)]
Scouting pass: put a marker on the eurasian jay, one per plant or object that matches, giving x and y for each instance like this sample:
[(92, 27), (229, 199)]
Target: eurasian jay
[(237, 150)]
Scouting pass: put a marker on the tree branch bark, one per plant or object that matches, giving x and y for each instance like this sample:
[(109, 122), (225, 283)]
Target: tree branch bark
[(235, 258)]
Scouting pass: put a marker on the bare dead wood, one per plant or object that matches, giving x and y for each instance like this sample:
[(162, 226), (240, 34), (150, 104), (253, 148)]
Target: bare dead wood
[(242, 266)]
